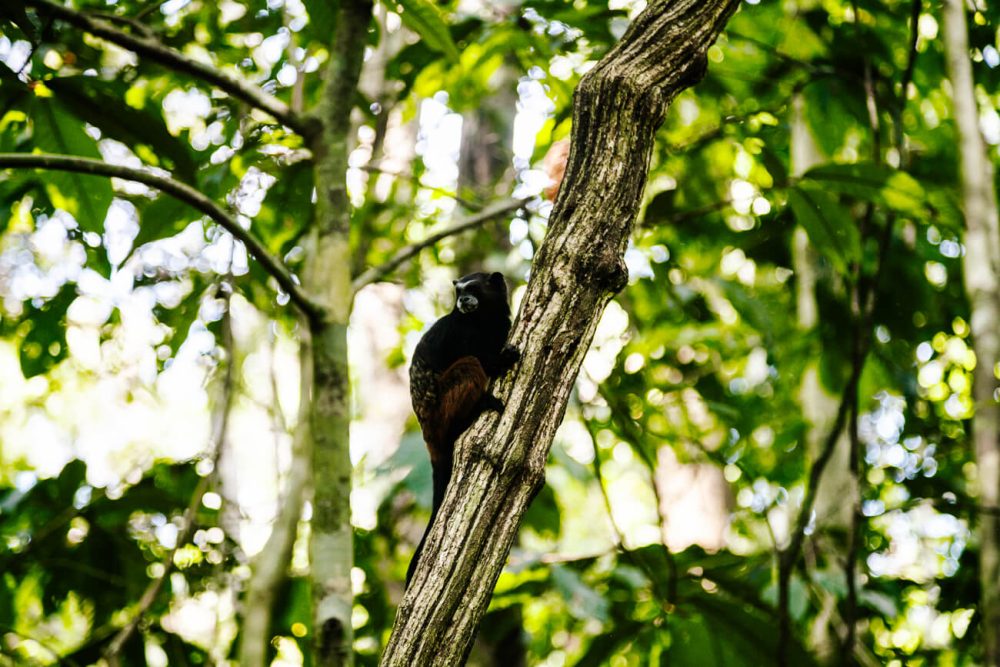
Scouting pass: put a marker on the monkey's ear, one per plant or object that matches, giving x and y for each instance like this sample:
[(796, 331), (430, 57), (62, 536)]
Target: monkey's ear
[(496, 278), (455, 283)]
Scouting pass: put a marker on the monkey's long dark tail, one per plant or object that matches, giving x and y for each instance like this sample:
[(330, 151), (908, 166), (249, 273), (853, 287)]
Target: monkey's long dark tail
[(441, 474)]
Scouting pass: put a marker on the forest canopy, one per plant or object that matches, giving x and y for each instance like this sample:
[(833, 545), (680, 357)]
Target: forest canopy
[(224, 227)]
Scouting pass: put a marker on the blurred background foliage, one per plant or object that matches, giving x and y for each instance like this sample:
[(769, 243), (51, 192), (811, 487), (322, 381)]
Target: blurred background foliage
[(675, 481)]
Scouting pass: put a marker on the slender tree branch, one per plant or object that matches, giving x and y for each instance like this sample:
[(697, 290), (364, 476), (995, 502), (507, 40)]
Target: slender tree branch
[(377, 273), (911, 62), (135, 24), (635, 435), (221, 428), (168, 57), (327, 274), (376, 168), (790, 555), (182, 192), (854, 542), (149, 9), (665, 598)]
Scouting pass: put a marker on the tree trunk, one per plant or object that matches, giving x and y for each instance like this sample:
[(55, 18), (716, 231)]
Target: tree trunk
[(485, 159), (819, 407), (981, 266), (500, 461), (270, 567), (327, 277)]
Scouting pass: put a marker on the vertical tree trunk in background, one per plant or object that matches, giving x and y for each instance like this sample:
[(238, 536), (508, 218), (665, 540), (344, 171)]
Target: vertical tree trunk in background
[(500, 461), (327, 278), (981, 266), (485, 159), (819, 407), (270, 567)]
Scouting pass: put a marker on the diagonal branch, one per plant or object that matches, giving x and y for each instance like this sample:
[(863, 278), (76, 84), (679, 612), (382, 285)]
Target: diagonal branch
[(175, 60), (500, 461), (379, 272), (184, 193)]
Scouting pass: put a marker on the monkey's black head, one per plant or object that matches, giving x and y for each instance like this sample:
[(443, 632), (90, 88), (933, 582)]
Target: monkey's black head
[(481, 293)]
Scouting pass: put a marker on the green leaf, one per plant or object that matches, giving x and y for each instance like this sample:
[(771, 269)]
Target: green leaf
[(832, 111), (86, 198), (287, 210), (102, 104), (162, 218), (321, 17), (543, 515), (44, 343), (181, 318), (879, 602), (829, 225), (861, 180), (693, 642), (744, 635), (600, 650), (425, 19), (584, 602), (903, 193), (866, 181)]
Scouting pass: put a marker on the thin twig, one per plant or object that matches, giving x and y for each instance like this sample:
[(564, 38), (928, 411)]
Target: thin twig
[(872, 107), (152, 591), (772, 49), (911, 62), (634, 433), (149, 9), (168, 57), (376, 168), (377, 273), (790, 555), (184, 193), (135, 24), (619, 534), (854, 543)]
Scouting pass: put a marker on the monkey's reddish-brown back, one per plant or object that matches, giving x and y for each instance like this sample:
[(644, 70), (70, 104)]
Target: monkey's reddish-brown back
[(446, 403)]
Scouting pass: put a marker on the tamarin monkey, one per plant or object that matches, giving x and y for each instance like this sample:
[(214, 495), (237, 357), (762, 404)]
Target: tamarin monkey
[(452, 365)]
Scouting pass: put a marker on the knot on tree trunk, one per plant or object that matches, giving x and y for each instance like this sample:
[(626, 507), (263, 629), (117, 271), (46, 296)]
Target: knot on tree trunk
[(330, 639), (617, 89), (602, 266)]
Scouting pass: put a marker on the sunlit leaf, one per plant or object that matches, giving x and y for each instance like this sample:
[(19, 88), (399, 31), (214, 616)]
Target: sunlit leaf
[(86, 198), (830, 226), (424, 18), (44, 342), (102, 104)]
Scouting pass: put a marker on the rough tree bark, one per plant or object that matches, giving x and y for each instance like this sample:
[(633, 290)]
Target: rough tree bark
[(981, 266), (500, 461)]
